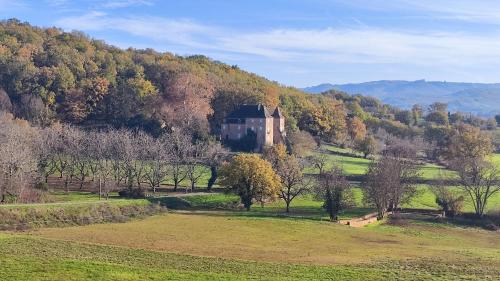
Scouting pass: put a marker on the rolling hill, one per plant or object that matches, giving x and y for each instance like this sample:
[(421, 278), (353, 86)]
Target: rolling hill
[(478, 98)]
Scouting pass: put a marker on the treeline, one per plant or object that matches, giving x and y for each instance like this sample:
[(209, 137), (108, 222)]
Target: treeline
[(113, 160)]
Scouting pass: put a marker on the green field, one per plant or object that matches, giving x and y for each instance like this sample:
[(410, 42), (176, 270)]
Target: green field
[(217, 247), (209, 237)]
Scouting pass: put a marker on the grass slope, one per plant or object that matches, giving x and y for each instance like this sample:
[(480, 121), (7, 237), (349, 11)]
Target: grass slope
[(218, 247)]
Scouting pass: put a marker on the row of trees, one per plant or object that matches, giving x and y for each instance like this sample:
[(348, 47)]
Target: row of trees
[(111, 159)]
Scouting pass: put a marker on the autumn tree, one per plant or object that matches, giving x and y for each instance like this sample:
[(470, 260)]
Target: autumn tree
[(356, 129), (251, 178), (368, 146), (467, 141), (289, 169)]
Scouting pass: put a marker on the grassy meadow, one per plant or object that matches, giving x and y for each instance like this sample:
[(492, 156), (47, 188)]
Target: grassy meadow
[(214, 246), (208, 237)]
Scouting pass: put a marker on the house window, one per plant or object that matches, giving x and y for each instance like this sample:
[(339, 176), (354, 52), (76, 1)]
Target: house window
[(239, 127), (223, 127), (260, 128), (260, 121), (239, 135)]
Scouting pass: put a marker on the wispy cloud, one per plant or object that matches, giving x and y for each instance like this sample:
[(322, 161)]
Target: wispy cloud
[(473, 11), (178, 31), (337, 45), (126, 3)]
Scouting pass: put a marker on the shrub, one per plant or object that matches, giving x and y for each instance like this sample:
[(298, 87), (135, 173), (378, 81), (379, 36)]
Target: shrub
[(135, 193), (42, 186), (450, 203)]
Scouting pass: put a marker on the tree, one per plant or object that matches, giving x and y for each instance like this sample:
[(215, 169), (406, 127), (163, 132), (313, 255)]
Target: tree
[(300, 142), (451, 203), (416, 113), (467, 141), (17, 162), (178, 146), (102, 154), (334, 190), (390, 181), (438, 113), (157, 158), (251, 178), (479, 179), (195, 166), (437, 117), (215, 156), (356, 129), (405, 117), (368, 146)]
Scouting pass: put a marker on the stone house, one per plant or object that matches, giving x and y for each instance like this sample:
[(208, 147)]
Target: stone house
[(268, 127)]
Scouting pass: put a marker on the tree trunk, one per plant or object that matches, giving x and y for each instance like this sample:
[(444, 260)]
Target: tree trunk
[(213, 177), (100, 188)]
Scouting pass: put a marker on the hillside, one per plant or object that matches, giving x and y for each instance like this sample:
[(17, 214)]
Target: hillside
[(477, 98), (48, 75)]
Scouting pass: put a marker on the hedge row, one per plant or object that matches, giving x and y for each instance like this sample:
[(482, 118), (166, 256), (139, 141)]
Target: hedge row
[(28, 218)]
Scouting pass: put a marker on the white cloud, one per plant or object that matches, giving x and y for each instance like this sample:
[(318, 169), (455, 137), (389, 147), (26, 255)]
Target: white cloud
[(329, 45)]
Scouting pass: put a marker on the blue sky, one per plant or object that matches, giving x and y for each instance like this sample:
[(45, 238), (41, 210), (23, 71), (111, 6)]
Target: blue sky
[(298, 43)]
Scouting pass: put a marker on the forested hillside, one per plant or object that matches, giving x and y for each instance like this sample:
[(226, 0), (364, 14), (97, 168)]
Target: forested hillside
[(49, 75)]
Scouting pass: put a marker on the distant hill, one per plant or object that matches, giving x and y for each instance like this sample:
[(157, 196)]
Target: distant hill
[(478, 98)]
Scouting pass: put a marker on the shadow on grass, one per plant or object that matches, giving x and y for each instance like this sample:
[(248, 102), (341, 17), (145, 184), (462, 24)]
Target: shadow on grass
[(232, 208), (467, 220)]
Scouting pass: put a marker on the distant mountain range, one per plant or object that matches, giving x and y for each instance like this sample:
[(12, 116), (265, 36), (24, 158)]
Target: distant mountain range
[(478, 98)]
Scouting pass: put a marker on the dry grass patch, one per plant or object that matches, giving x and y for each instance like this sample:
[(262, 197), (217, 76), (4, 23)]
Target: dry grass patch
[(282, 240)]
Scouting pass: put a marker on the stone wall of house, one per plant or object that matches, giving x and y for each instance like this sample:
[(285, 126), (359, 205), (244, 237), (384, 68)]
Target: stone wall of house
[(278, 130), (232, 131)]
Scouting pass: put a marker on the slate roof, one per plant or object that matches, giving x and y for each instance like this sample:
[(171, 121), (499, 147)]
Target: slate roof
[(277, 113), (250, 111)]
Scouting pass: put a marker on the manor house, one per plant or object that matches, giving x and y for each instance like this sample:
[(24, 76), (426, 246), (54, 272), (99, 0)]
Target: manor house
[(269, 128)]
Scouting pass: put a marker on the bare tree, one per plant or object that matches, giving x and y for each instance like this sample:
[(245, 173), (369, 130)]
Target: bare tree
[(157, 159), (18, 164), (178, 144), (195, 166), (45, 151), (101, 153), (81, 156), (293, 181), (215, 156), (479, 179), (389, 182)]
